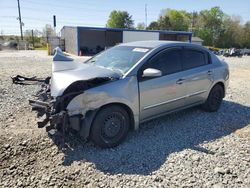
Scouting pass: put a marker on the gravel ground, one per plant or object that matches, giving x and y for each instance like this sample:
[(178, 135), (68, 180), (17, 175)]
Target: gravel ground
[(190, 148)]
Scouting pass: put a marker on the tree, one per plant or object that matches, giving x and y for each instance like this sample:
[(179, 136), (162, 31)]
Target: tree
[(120, 19), (211, 25), (232, 33), (1, 35), (153, 26), (36, 34), (141, 26), (48, 32), (171, 19), (194, 26), (246, 35)]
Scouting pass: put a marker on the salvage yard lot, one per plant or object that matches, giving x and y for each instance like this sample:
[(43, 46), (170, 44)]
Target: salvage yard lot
[(190, 148)]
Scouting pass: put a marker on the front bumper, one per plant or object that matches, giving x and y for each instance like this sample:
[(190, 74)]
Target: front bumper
[(52, 112), (45, 114), (45, 106)]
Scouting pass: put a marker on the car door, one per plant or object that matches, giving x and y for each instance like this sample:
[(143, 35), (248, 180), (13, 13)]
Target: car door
[(198, 74), (165, 93)]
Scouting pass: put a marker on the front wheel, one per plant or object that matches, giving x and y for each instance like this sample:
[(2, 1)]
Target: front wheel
[(214, 99), (110, 126)]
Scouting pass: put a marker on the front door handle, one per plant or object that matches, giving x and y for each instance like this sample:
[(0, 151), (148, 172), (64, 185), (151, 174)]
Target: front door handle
[(180, 81)]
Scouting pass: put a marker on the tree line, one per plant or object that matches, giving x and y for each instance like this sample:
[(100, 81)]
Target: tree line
[(38, 38), (214, 26)]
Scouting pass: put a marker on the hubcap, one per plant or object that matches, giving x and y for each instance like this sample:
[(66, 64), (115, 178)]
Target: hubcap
[(112, 125)]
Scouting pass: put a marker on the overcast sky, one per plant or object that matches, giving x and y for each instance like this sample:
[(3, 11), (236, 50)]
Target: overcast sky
[(37, 13)]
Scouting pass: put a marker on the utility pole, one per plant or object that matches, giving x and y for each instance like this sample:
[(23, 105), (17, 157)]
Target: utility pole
[(146, 16), (33, 41), (54, 23), (192, 24), (20, 19)]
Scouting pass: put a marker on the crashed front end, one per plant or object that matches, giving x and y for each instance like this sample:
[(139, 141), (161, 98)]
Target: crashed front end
[(51, 111), (69, 79)]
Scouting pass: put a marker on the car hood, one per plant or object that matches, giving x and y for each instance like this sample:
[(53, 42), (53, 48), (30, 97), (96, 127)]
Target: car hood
[(64, 77)]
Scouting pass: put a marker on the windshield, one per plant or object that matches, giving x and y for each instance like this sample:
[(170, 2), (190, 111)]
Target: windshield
[(120, 58)]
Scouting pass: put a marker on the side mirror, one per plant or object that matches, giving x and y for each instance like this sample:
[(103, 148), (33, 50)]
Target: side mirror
[(150, 72)]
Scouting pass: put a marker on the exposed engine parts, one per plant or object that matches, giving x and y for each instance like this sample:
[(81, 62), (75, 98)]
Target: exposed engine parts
[(51, 111)]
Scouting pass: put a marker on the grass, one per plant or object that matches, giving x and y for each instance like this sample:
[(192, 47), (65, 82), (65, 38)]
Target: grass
[(41, 48)]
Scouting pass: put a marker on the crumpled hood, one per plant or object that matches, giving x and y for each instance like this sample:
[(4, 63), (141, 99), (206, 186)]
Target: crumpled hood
[(62, 78)]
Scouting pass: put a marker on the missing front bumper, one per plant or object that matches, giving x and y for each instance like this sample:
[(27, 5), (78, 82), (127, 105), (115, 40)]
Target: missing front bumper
[(45, 106), (53, 115), (60, 121)]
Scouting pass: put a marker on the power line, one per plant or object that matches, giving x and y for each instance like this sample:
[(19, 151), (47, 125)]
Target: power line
[(56, 4), (10, 26), (78, 8), (93, 12), (46, 21), (72, 19)]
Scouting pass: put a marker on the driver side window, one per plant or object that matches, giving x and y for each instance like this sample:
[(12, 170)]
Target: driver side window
[(168, 61)]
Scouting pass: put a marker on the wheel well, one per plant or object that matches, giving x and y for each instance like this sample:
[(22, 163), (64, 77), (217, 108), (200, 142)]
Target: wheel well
[(127, 108), (223, 86)]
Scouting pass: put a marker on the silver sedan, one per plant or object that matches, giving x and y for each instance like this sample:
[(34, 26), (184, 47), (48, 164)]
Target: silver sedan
[(116, 90)]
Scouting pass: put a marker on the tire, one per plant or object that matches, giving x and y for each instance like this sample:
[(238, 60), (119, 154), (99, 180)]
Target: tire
[(110, 126), (214, 99)]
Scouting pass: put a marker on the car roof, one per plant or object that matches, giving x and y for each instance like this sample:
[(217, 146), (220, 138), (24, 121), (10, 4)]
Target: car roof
[(150, 43), (160, 43)]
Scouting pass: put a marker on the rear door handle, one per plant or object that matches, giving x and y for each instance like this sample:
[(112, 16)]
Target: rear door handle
[(180, 81), (209, 72)]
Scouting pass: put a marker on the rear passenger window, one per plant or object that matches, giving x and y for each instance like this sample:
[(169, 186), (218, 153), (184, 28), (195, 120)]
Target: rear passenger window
[(168, 61), (194, 58)]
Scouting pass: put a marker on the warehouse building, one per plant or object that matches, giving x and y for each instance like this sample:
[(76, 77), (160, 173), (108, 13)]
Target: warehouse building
[(91, 40), (197, 40)]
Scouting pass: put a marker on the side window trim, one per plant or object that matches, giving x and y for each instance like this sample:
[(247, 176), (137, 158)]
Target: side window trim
[(205, 53), (209, 58)]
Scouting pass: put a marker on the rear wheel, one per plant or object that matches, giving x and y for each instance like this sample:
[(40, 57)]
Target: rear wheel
[(110, 126), (214, 99)]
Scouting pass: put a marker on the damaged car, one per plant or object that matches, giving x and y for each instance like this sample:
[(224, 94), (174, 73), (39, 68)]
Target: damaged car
[(116, 90)]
